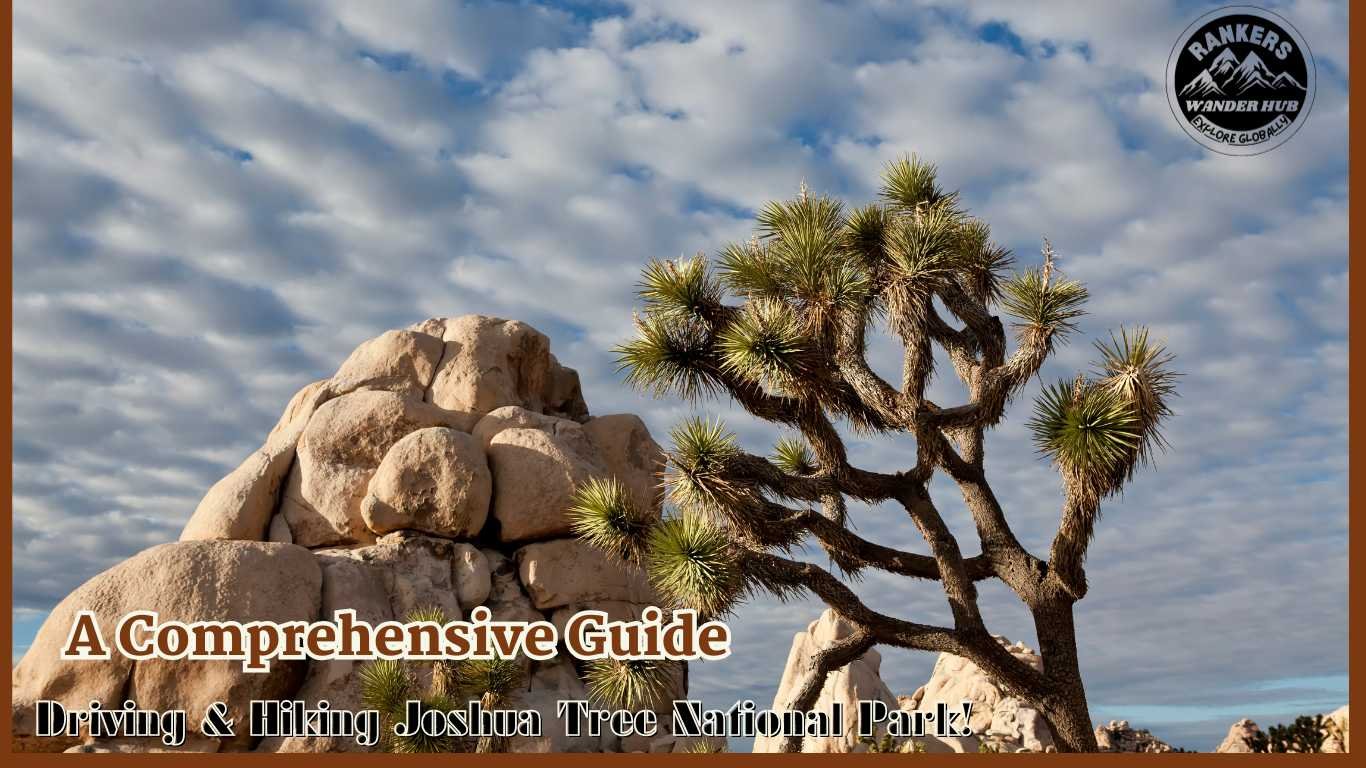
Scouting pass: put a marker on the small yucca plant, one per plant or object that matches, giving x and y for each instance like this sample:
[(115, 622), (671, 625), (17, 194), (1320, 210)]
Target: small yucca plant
[(387, 685), (630, 683)]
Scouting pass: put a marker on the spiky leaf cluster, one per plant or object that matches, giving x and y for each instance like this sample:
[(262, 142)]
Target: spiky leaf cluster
[(1043, 305), (1138, 370), (793, 456), (669, 355), (493, 681), (767, 345), (1087, 430), (630, 683), (603, 514), (1098, 431), (385, 685), (691, 565), (698, 478)]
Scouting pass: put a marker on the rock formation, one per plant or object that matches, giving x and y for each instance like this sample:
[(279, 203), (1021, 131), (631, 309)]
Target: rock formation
[(999, 722), (1336, 732), (1118, 736), (433, 469), (1239, 737)]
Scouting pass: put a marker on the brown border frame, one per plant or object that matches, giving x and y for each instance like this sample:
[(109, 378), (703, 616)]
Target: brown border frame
[(1357, 540)]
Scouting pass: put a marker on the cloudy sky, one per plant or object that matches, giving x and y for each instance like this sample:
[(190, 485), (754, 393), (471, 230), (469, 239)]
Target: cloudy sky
[(213, 203)]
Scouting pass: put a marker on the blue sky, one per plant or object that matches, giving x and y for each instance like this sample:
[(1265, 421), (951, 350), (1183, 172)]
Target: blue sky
[(215, 202)]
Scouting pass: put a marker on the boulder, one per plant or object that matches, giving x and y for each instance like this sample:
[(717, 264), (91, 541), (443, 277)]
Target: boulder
[(517, 417), (1239, 737), (360, 585), (507, 600), (551, 682), (338, 453), (181, 581), (616, 610), (563, 394), (1018, 724), (859, 680), (955, 680), (402, 362), (536, 473), (279, 530), (240, 505), (489, 362), (1338, 730), (470, 572), (631, 456), (414, 569), (566, 571), (1119, 736), (435, 480)]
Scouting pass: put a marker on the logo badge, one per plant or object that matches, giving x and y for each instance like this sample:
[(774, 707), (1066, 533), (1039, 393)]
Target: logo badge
[(1240, 80)]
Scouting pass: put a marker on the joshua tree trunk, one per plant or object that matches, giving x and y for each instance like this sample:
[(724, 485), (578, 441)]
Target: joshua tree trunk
[(813, 282), (1068, 717)]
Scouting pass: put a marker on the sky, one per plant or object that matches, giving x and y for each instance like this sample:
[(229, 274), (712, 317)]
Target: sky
[(214, 203)]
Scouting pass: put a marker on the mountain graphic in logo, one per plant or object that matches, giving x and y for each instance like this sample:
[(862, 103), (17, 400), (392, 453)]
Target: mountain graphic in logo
[(1226, 76)]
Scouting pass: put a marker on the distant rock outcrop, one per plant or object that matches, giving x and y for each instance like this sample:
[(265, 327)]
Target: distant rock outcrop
[(1336, 733), (1118, 736), (999, 722), (433, 469)]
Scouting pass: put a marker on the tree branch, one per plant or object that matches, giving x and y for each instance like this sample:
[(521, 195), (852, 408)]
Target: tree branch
[(837, 656)]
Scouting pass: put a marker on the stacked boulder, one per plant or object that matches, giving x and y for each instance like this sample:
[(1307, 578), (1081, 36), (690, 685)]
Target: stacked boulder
[(434, 469), (999, 722), (1119, 736)]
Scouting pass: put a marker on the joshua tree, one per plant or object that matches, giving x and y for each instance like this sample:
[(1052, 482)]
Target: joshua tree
[(780, 325)]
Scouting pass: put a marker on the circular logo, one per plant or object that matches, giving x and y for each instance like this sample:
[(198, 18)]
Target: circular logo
[(1240, 80)]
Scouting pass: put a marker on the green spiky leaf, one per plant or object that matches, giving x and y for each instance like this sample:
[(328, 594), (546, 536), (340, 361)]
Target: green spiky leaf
[(431, 613), (691, 565), (982, 264), (603, 514), (1138, 371), (683, 287), (385, 686), (630, 683), (925, 246), (493, 681), (765, 344), (668, 356), (909, 183), (702, 445), (793, 455), (806, 217), (1049, 305), (1086, 429), (865, 232), (751, 271)]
